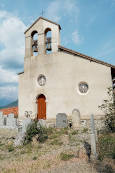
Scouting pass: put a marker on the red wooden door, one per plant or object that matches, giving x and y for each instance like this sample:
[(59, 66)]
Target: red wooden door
[(41, 104)]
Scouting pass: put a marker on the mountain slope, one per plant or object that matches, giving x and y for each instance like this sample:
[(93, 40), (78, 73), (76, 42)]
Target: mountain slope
[(12, 104)]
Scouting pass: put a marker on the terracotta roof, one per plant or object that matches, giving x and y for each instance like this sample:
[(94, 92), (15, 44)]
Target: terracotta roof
[(7, 111), (61, 48), (45, 20)]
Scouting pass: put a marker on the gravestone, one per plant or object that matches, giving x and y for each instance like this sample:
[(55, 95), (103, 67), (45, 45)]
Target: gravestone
[(25, 124), (19, 139), (21, 135), (1, 119), (42, 123), (61, 120), (93, 137), (1, 114), (11, 121), (5, 121), (75, 118)]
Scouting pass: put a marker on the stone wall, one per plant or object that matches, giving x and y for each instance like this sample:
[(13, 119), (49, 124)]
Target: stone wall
[(84, 123), (99, 123), (8, 121)]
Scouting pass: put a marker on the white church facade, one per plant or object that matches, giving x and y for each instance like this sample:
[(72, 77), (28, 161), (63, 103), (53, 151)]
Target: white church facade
[(59, 80)]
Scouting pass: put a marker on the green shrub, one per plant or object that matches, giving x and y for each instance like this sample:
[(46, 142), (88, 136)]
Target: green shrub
[(108, 107), (106, 146), (65, 157), (33, 130)]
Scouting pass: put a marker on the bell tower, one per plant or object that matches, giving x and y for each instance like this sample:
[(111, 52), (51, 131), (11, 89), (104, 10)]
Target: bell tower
[(42, 37)]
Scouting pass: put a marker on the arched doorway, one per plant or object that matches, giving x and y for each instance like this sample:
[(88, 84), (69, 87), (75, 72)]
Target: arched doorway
[(41, 107)]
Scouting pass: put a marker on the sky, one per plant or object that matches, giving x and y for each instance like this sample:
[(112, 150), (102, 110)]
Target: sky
[(88, 26)]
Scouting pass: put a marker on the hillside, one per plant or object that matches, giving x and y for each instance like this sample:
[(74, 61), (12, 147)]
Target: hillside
[(62, 152), (12, 104)]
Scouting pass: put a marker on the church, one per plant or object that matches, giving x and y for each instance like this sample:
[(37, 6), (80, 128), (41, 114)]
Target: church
[(57, 79)]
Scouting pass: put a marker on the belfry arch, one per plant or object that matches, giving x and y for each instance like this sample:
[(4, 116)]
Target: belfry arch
[(34, 41), (48, 40)]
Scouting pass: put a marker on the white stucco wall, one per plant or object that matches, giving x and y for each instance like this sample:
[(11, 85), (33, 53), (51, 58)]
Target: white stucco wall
[(63, 74)]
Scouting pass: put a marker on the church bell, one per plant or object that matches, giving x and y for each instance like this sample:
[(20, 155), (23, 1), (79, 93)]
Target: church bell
[(48, 44), (35, 46)]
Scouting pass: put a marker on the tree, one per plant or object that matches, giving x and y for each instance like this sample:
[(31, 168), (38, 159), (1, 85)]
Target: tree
[(108, 107)]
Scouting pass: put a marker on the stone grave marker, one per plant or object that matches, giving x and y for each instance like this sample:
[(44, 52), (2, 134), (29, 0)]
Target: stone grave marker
[(61, 120), (5, 121), (75, 118), (21, 135), (93, 136), (1, 119), (25, 124), (42, 123), (1, 114), (11, 121)]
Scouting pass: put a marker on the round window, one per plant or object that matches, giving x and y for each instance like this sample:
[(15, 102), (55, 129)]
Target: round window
[(41, 80), (83, 87)]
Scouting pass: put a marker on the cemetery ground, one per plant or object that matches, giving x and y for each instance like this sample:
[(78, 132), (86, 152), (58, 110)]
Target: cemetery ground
[(62, 152)]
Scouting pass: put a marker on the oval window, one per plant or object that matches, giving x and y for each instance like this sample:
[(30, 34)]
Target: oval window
[(41, 80), (83, 87)]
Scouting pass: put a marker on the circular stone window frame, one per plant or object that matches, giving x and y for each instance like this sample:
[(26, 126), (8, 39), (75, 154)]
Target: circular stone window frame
[(79, 90), (38, 78)]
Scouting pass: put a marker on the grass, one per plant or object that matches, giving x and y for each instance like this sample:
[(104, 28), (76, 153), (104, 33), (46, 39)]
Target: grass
[(36, 156), (10, 148), (1, 144), (56, 142), (53, 136), (2, 157), (75, 132), (65, 156), (39, 146), (10, 170), (85, 130), (72, 139)]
